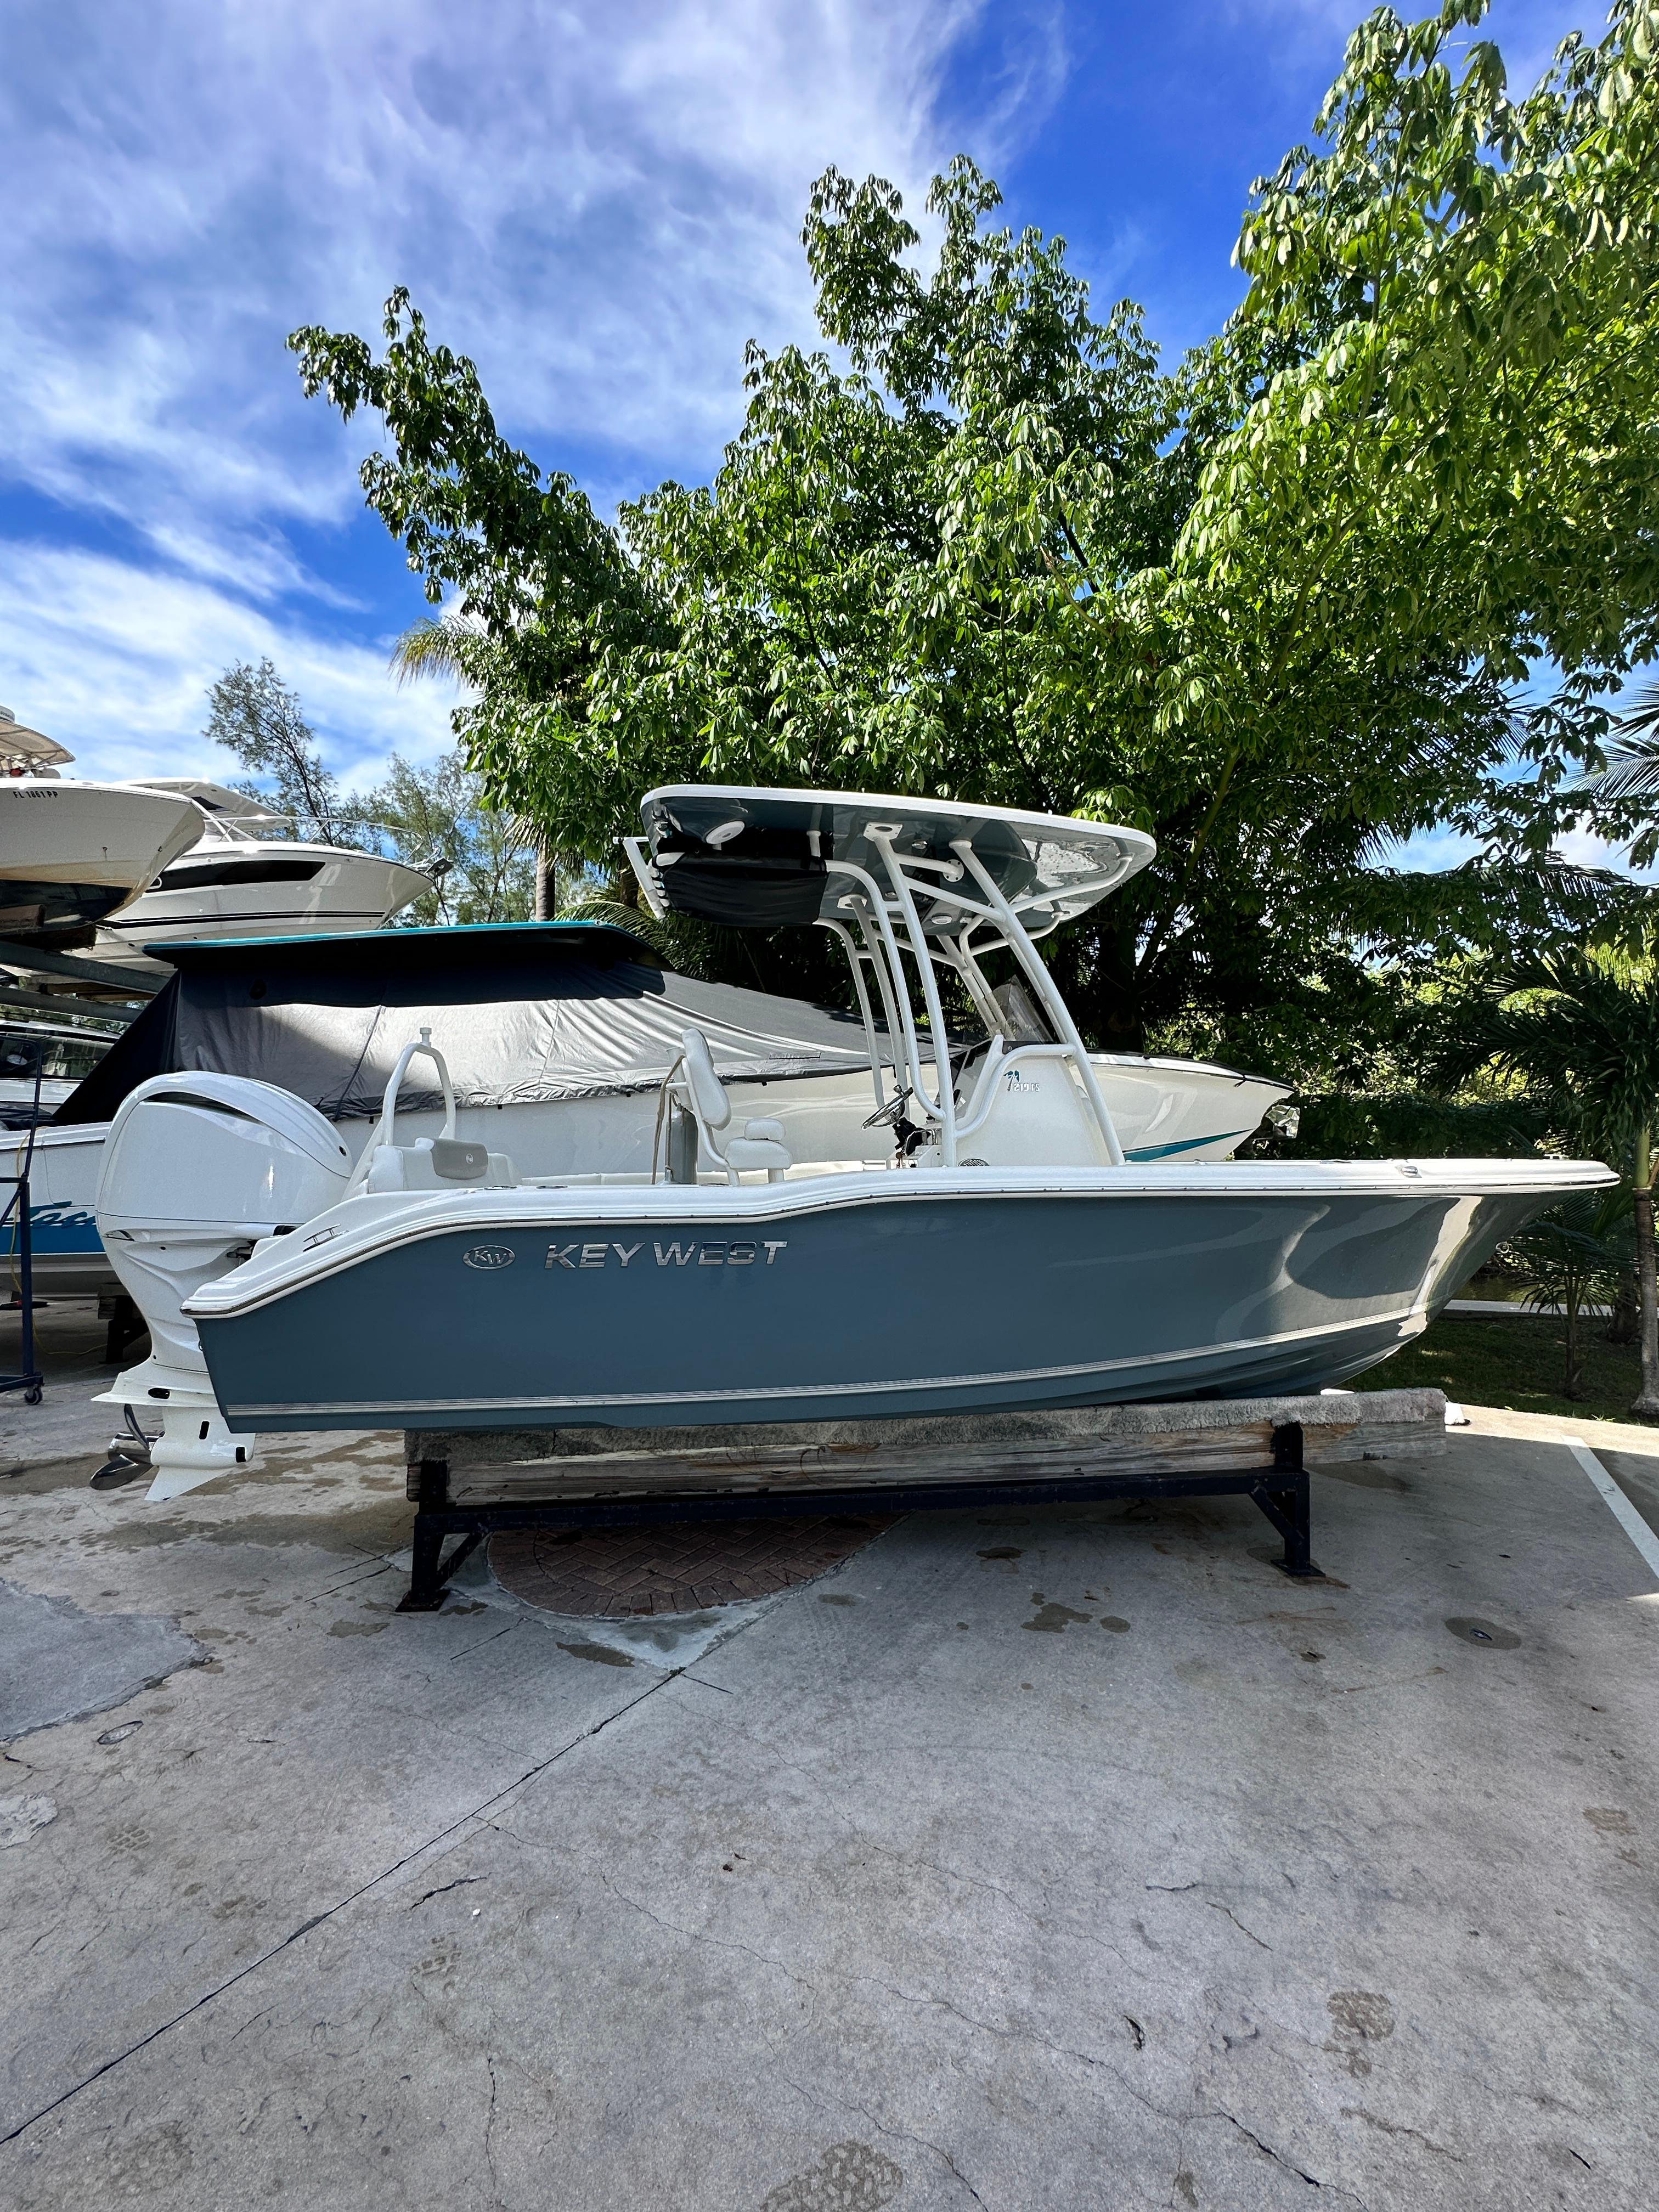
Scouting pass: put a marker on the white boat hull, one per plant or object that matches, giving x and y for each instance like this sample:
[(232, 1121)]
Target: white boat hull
[(72, 853), (262, 889), (866, 1295)]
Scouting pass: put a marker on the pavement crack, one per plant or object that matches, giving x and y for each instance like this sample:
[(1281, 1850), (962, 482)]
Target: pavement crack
[(1216, 1905), (1389, 2128), (939, 2151), (489, 2134), (1028, 2036), (498, 1797), (1267, 2151), (702, 1935), (467, 1651), (444, 1889), (887, 2128)]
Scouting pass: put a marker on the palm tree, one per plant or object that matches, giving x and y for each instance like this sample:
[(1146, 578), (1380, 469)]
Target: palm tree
[(1631, 775), (1570, 1257), (1582, 1028)]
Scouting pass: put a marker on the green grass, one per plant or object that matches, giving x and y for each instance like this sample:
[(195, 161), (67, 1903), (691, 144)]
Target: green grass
[(1517, 1362)]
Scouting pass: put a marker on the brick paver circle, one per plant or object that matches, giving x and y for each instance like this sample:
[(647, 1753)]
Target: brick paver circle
[(687, 1566)]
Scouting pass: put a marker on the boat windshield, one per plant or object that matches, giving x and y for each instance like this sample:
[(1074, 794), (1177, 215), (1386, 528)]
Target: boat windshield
[(910, 887)]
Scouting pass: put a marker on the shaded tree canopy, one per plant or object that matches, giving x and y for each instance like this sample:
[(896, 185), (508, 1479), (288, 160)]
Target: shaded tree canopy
[(1275, 604)]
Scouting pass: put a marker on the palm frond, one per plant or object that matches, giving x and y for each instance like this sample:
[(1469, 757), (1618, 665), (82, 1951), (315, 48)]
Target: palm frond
[(446, 648), (1487, 903), (1632, 763)]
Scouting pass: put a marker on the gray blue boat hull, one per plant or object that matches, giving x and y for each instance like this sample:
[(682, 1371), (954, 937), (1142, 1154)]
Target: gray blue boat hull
[(876, 1305)]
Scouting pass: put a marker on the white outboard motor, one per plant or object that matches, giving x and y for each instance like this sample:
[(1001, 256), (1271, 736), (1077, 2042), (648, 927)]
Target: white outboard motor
[(197, 1169)]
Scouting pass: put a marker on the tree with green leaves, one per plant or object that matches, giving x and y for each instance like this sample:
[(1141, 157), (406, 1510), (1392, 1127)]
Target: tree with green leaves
[(255, 715), (1273, 606), (436, 818), (1622, 797)]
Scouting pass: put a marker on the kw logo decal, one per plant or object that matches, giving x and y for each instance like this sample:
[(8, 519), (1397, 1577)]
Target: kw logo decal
[(577, 1255), (487, 1256)]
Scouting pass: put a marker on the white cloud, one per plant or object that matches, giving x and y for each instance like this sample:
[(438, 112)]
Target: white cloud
[(600, 201), (125, 656), (1585, 849), (1432, 850)]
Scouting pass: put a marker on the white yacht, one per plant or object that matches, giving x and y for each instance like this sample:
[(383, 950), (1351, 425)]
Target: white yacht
[(235, 882), (72, 853)]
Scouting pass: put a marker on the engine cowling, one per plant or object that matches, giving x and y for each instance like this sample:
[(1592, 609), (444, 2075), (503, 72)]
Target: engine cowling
[(197, 1168)]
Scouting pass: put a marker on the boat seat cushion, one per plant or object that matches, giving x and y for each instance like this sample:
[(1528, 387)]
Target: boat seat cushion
[(749, 1152)]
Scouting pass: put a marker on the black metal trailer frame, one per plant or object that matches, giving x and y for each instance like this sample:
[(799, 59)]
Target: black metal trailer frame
[(1279, 1489), (28, 1379)]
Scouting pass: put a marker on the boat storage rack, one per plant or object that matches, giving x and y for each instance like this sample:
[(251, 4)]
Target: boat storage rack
[(468, 1484)]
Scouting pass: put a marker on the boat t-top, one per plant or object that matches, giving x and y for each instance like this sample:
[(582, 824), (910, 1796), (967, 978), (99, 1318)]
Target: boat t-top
[(911, 889), (1003, 1254)]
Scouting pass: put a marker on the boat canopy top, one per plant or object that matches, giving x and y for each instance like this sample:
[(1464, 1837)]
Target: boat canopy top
[(916, 888), (29, 747), (216, 800), (755, 859), (522, 1011)]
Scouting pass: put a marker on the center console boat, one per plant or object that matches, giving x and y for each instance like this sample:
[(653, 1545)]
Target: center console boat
[(1004, 1253), (73, 852)]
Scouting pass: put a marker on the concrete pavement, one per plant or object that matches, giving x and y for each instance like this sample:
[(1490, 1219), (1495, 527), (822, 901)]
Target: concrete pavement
[(1066, 1858)]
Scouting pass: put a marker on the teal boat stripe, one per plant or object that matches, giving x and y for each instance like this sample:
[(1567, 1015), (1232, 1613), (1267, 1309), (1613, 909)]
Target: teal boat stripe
[(1187, 1144)]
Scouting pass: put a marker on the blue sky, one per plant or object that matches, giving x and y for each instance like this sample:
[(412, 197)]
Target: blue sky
[(600, 202)]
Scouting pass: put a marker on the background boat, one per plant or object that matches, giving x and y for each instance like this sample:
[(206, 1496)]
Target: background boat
[(558, 1034), (72, 853), (235, 883), (63, 1057)]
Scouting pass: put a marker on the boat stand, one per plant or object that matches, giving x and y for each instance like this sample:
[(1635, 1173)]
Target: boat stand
[(471, 1499)]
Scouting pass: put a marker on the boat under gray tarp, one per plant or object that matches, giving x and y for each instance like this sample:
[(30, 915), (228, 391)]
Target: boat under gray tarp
[(578, 1017), (522, 1013), (558, 1036)]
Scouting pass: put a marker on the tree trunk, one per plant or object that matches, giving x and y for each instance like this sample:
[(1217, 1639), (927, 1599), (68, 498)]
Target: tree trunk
[(1646, 1407), (1625, 1326), (545, 886), (1573, 1383)]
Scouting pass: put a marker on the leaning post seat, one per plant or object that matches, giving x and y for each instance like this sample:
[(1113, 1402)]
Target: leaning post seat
[(760, 1146)]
